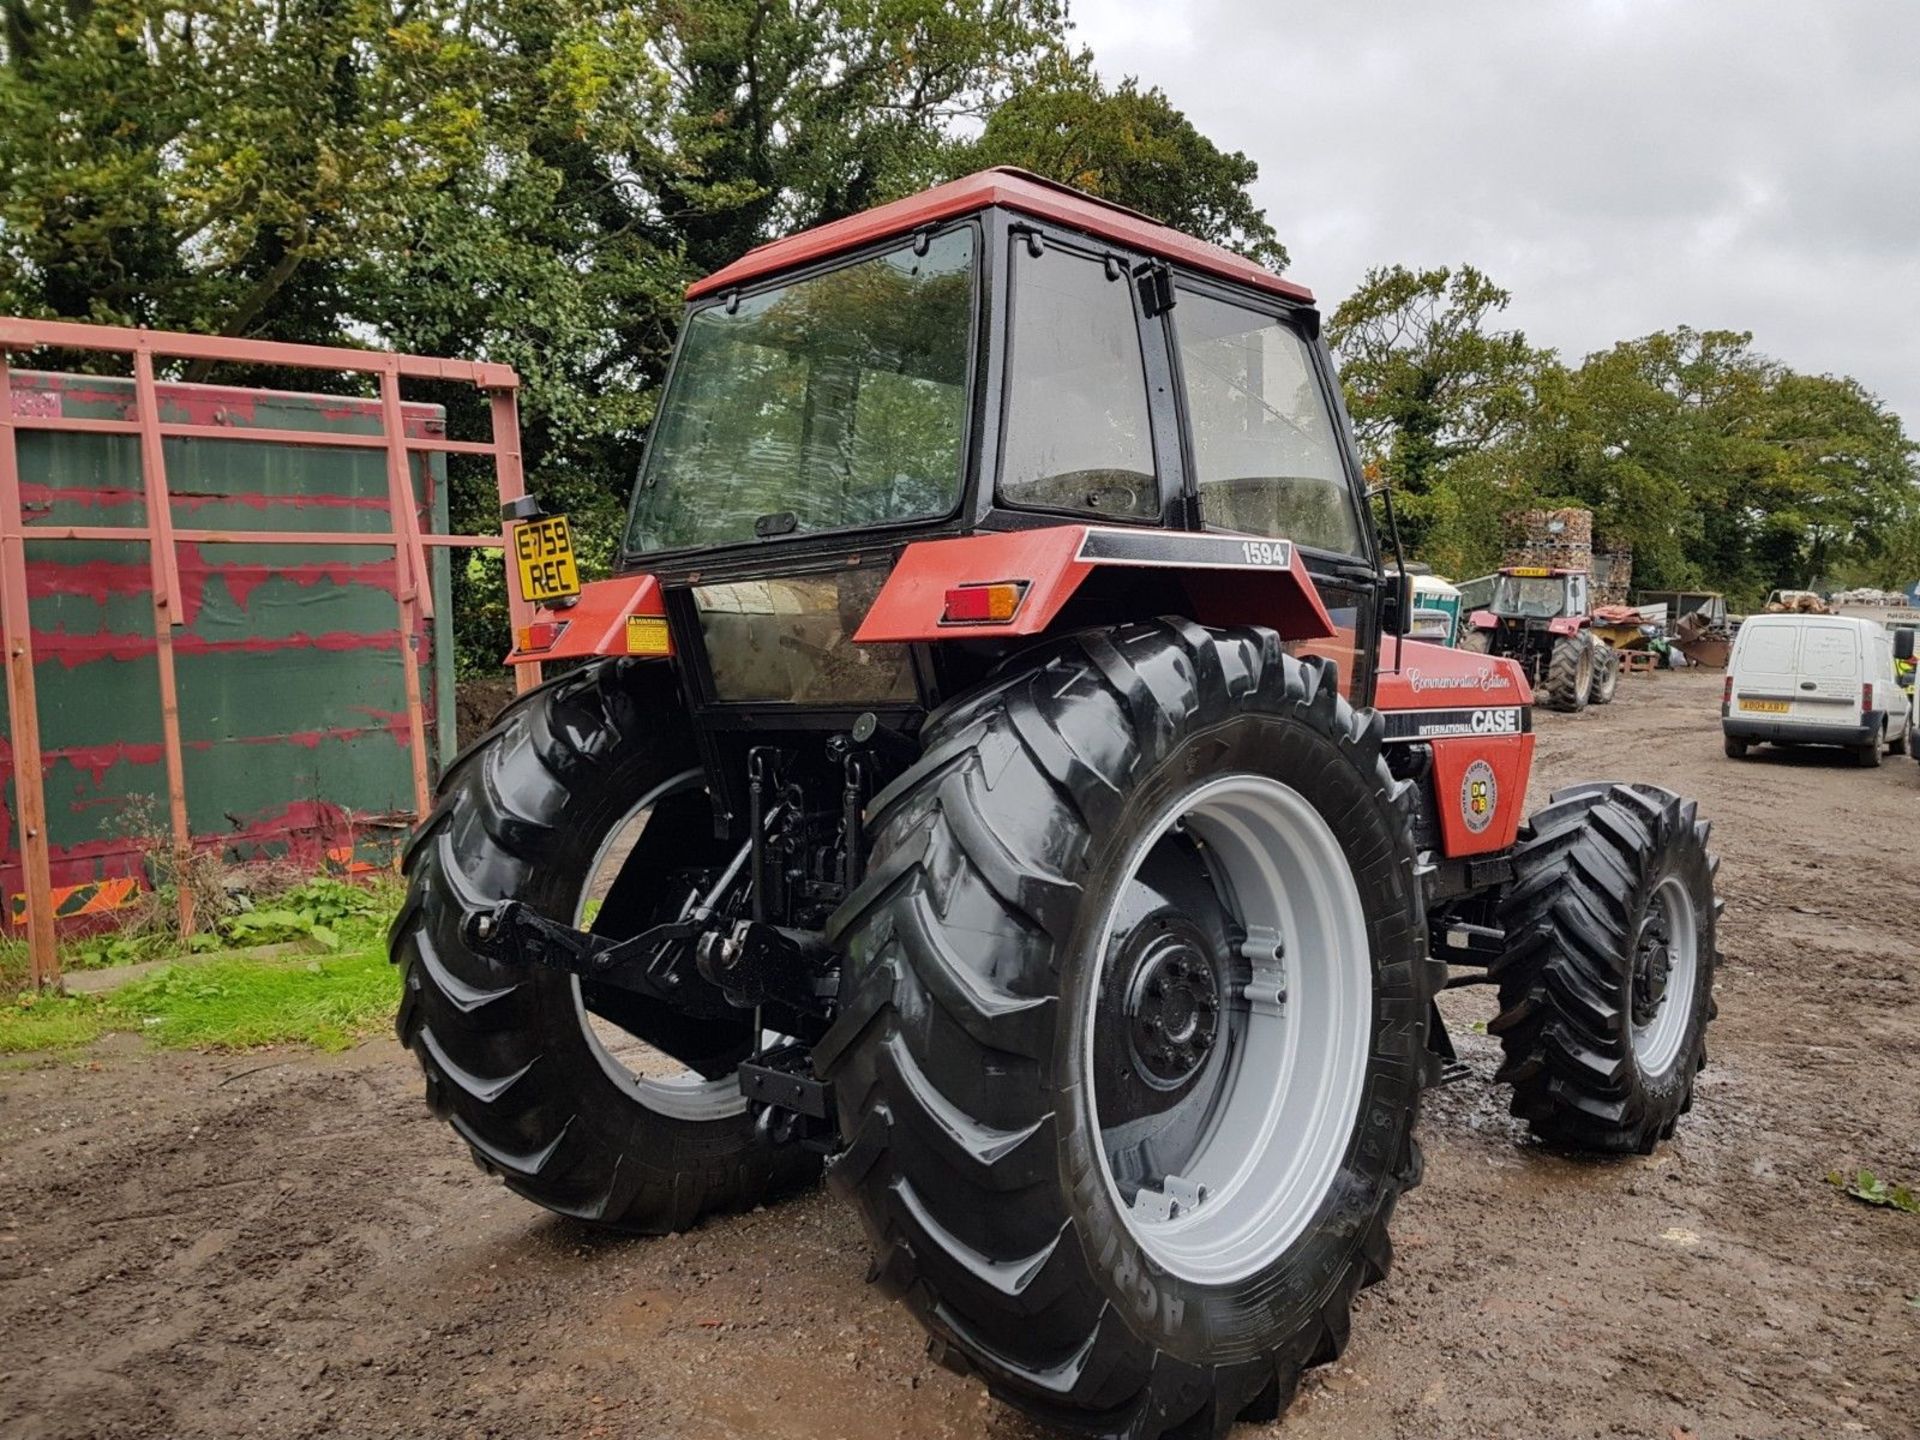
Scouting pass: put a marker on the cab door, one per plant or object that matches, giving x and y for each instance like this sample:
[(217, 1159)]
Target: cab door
[(1265, 453)]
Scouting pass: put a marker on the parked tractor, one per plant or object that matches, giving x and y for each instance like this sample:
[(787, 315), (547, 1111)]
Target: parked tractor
[(1540, 617), (998, 774)]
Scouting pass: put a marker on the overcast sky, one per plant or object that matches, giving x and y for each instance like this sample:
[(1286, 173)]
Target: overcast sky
[(1621, 166)]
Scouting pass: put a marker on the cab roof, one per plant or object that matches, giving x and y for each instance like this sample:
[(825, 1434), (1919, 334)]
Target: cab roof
[(1016, 190)]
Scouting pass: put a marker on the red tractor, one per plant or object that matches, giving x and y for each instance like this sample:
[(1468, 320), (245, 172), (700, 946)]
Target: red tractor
[(998, 774), (1540, 616)]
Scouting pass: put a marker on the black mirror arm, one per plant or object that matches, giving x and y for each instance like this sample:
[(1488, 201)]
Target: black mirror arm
[(1401, 616)]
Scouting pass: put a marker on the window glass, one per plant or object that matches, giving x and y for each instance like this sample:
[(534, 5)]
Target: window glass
[(1265, 449), (1077, 436), (840, 399), (792, 640)]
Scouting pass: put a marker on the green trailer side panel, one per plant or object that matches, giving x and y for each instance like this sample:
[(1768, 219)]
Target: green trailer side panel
[(289, 661)]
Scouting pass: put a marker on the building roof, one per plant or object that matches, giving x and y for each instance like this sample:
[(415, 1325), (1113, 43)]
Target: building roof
[(1017, 190)]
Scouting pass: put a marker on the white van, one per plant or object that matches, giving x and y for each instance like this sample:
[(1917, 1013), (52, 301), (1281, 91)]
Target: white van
[(1814, 680)]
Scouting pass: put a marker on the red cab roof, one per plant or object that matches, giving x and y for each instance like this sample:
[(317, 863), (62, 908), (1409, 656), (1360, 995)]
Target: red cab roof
[(1017, 190)]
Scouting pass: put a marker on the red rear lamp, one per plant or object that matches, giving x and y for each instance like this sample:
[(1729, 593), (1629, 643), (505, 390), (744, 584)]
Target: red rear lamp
[(993, 604), (1866, 696), (1726, 692), (540, 636)]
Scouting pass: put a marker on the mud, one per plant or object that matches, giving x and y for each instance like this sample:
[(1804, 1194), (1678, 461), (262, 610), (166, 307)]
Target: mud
[(285, 1245)]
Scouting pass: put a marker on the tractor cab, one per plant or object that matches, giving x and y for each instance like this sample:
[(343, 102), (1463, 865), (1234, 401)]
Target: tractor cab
[(896, 448), (1527, 594)]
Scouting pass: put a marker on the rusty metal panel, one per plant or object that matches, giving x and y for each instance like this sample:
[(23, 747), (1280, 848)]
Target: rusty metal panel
[(290, 661)]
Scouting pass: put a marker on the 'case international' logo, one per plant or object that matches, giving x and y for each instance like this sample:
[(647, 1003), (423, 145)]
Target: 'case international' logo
[(1479, 796)]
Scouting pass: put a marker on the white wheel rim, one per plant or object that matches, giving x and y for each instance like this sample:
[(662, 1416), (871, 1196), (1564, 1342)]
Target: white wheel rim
[(657, 1080), (1657, 1043), (1289, 1096)]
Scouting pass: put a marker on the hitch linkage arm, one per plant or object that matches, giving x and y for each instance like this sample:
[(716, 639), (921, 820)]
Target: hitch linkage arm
[(514, 934)]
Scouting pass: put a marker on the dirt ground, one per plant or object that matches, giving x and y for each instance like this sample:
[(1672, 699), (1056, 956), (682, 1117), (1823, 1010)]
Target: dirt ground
[(283, 1245)]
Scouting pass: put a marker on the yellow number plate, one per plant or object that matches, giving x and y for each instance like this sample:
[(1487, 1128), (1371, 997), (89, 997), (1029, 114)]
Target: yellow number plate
[(1765, 707), (543, 551), (1529, 572)]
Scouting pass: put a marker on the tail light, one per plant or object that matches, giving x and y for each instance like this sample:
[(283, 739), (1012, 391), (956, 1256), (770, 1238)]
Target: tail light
[(1866, 696), (540, 636), (1726, 693), (983, 604)]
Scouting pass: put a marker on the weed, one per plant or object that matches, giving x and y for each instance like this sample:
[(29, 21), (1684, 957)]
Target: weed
[(1870, 1189)]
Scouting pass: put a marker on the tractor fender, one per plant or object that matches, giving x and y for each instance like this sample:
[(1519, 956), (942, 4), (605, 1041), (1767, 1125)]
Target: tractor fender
[(1567, 624), (1229, 580), (1484, 620), (623, 616)]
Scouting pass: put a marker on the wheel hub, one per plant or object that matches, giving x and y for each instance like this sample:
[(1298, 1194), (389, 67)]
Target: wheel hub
[(1653, 966), (1172, 1000)]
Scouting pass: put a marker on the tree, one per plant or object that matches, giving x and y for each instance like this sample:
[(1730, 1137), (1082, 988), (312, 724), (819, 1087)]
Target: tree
[(1428, 380), (1130, 146)]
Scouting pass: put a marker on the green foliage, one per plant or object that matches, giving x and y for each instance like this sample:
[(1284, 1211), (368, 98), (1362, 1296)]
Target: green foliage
[(320, 911), (1870, 1189), (32, 1021), (1717, 466), (528, 181), (230, 1002), (237, 1004), (1131, 146)]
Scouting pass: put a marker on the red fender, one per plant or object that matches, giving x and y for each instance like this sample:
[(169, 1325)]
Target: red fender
[(1229, 580), (622, 616)]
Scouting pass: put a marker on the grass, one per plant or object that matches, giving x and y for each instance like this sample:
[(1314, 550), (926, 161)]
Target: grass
[(226, 1002), (335, 989)]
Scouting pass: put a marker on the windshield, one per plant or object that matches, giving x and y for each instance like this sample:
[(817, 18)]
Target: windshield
[(832, 402), (1538, 597)]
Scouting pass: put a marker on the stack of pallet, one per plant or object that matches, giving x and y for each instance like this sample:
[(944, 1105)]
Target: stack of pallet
[(1562, 539), (1612, 576)]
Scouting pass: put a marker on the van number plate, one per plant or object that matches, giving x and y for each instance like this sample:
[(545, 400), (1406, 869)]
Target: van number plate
[(1765, 707), (543, 553)]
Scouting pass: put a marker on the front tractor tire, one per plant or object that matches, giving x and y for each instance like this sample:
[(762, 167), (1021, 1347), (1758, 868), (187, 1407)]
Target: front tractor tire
[(542, 1095), (1134, 1016), (1570, 672), (1606, 979)]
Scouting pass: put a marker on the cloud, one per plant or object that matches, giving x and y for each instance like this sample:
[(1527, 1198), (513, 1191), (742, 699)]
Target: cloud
[(1622, 166)]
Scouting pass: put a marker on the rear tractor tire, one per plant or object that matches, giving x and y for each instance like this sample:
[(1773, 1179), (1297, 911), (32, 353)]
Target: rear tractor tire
[(1133, 1028), (1570, 673), (1606, 981), (542, 1095)]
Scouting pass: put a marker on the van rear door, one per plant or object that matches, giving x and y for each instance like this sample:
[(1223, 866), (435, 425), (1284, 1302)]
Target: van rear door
[(1806, 669), (1832, 669)]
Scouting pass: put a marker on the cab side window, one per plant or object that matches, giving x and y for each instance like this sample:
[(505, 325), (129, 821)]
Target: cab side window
[(1076, 435), (1265, 447)]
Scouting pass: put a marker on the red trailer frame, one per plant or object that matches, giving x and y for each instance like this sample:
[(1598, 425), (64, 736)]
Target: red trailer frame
[(162, 537)]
